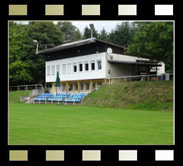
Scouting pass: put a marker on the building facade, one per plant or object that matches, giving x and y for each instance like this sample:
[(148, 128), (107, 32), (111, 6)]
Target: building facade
[(87, 64)]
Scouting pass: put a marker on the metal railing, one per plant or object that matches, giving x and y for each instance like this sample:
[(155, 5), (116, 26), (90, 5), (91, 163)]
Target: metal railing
[(26, 87), (150, 77)]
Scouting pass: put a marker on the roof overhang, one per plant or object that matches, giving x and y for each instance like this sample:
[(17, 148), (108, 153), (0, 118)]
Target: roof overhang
[(134, 63), (76, 44)]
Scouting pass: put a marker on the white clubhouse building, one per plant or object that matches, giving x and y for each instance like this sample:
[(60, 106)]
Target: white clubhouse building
[(86, 64)]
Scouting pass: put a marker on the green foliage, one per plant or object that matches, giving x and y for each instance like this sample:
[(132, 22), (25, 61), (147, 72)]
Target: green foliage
[(71, 32), (154, 40), (103, 35), (87, 32), (17, 41), (22, 50), (123, 34), (19, 72)]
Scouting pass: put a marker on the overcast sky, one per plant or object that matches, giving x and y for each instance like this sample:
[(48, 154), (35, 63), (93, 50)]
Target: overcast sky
[(99, 25)]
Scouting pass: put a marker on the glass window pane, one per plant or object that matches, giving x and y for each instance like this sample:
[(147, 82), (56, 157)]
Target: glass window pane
[(81, 86), (99, 65), (53, 70), (69, 68), (92, 66), (48, 70), (64, 69), (80, 67), (75, 67)]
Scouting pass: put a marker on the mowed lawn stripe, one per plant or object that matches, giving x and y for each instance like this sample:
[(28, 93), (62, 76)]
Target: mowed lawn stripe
[(34, 124)]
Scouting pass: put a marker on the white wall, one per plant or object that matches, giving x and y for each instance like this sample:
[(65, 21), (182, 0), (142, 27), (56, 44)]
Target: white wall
[(117, 70), (91, 74), (125, 70)]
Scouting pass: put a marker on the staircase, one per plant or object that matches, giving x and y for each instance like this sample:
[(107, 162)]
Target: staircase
[(34, 93)]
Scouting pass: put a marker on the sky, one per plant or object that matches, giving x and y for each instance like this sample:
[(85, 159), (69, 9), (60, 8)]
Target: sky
[(99, 25)]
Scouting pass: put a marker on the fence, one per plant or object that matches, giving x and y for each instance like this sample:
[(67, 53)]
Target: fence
[(150, 77), (26, 87)]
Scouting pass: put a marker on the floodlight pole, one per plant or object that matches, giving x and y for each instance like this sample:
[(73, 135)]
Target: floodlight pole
[(91, 33), (36, 45), (37, 48)]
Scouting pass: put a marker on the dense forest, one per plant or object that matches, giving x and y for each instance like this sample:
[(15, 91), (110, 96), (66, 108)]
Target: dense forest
[(153, 40)]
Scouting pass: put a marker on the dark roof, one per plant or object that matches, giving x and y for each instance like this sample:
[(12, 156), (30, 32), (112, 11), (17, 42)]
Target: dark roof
[(134, 63), (76, 44)]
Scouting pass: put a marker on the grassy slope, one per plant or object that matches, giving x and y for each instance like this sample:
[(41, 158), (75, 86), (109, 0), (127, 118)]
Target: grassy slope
[(157, 95), (40, 124), (14, 96), (34, 124)]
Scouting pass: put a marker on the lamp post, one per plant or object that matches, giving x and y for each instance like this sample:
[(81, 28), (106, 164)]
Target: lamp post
[(36, 45), (92, 28)]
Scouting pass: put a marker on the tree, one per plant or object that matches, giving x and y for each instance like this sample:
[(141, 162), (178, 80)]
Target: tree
[(71, 32), (103, 35), (18, 70), (154, 40), (22, 50), (44, 33), (87, 32), (17, 41), (19, 73), (122, 34)]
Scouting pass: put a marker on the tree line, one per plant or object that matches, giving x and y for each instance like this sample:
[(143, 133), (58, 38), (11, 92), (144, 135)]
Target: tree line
[(153, 40)]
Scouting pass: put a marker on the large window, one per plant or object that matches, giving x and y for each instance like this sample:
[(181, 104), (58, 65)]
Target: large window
[(86, 66), (80, 67), (99, 84), (74, 67), (93, 85), (64, 69), (75, 86), (99, 63), (48, 70), (70, 87), (53, 70), (81, 86), (69, 68), (92, 65), (87, 86), (63, 87)]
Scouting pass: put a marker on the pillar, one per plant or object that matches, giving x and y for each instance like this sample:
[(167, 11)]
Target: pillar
[(67, 87), (79, 87), (91, 87)]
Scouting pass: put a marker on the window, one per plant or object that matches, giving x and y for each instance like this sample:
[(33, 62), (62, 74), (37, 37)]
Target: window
[(99, 64), (76, 86), (70, 87), (58, 68), (92, 65), (74, 67), (63, 87), (99, 84), (69, 68), (81, 86), (53, 70), (86, 66), (87, 86), (80, 67), (48, 70), (64, 69), (93, 85)]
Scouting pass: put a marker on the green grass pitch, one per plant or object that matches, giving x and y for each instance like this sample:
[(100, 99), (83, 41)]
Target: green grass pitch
[(40, 124)]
